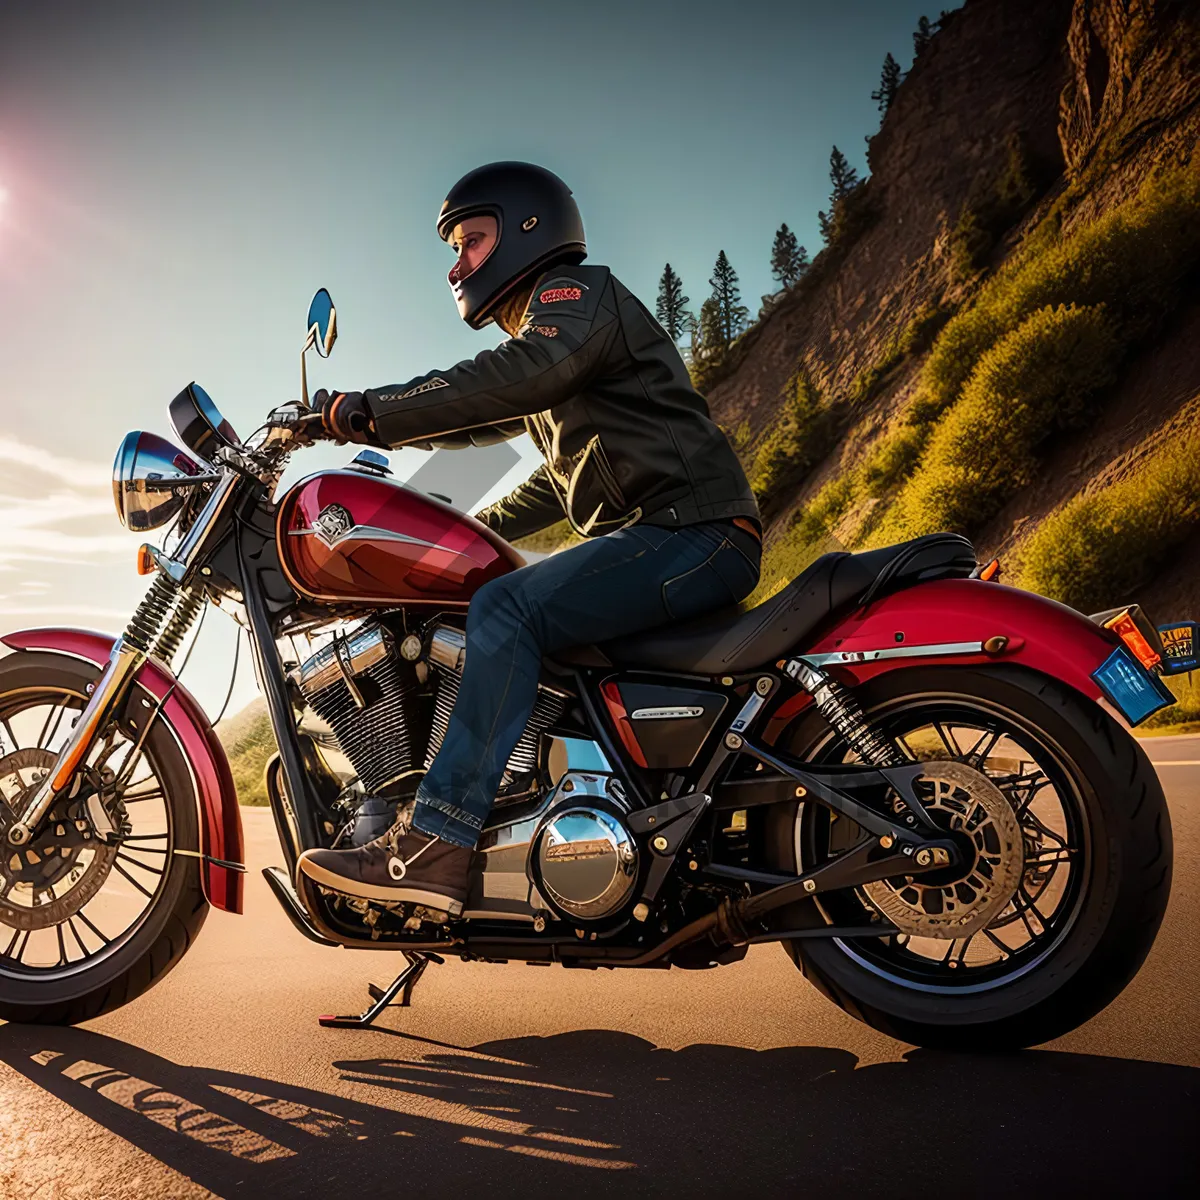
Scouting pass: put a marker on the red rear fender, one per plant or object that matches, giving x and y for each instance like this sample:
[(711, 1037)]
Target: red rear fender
[(216, 797), (1041, 634)]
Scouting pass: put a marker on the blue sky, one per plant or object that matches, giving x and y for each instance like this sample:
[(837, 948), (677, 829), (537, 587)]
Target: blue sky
[(178, 178)]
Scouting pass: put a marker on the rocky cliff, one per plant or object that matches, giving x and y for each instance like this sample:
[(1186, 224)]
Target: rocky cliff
[(1032, 223)]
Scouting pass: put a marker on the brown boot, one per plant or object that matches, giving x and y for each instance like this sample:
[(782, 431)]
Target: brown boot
[(398, 866)]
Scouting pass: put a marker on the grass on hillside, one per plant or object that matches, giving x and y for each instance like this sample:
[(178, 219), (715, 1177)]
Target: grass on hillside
[(1096, 549), (1035, 381), (1183, 714), (249, 743), (1028, 359)]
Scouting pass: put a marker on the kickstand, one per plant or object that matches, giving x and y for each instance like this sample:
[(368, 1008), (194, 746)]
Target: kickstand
[(403, 983)]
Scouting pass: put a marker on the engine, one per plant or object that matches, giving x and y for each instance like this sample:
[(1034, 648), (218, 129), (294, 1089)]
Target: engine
[(369, 690), (388, 701)]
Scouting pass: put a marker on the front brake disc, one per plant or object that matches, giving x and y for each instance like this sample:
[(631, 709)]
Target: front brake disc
[(46, 882)]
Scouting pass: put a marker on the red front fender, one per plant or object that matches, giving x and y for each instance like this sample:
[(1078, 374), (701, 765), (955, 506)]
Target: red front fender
[(1046, 636), (220, 820)]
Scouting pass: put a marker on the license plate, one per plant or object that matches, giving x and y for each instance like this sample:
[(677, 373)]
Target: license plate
[(1132, 690)]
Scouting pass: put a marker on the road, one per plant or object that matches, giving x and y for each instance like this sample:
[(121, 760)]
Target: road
[(519, 1081)]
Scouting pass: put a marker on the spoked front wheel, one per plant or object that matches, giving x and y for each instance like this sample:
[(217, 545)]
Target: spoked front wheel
[(1066, 835), (98, 906)]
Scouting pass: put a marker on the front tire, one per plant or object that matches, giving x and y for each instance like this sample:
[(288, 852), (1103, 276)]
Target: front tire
[(1078, 958), (123, 963)]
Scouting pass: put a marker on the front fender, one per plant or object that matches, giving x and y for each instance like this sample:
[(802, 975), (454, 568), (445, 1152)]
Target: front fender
[(1042, 634), (219, 817)]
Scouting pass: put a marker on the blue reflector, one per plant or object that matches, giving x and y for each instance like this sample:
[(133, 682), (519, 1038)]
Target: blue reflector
[(1131, 688)]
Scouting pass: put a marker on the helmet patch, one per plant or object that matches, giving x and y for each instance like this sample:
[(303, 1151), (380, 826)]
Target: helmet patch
[(559, 294)]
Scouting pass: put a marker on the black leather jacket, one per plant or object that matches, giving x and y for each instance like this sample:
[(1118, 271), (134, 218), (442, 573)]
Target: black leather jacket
[(604, 395)]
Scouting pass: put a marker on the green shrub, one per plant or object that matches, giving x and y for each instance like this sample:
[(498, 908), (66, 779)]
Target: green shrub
[(1186, 709), (827, 507), (1100, 546), (1135, 258), (801, 437), (892, 457), (249, 741), (1036, 380)]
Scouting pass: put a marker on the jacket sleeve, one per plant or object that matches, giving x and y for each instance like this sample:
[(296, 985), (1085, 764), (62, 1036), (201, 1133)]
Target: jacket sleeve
[(567, 335), (481, 435), (529, 507)]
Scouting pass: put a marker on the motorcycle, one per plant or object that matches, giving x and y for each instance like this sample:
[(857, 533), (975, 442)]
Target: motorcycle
[(917, 780)]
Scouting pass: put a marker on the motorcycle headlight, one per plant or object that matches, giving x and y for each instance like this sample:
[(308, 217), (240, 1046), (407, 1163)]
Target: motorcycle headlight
[(151, 480)]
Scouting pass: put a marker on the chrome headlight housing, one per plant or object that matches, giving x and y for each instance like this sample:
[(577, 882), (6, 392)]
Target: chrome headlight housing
[(152, 480)]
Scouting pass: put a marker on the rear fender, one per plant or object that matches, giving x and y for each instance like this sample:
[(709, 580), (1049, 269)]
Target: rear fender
[(219, 817), (1041, 634)]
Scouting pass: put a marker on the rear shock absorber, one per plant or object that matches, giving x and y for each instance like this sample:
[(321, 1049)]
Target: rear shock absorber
[(145, 623), (841, 709), (191, 600)]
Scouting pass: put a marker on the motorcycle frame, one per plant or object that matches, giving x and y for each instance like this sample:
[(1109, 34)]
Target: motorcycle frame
[(934, 622)]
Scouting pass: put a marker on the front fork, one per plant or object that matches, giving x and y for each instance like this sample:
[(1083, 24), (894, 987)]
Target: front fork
[(155, 628)]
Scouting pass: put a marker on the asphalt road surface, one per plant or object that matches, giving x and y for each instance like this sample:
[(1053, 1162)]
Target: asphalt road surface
[(537, 1081)]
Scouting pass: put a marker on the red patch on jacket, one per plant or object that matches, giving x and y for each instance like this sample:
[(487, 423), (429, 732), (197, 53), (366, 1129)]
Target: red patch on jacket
[(557, 295), (544, 330)]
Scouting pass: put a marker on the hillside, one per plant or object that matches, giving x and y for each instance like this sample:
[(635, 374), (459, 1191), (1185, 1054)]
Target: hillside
[(1003, 337)]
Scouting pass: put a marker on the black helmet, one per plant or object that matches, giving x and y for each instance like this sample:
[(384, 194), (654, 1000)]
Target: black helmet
[(539, 226)]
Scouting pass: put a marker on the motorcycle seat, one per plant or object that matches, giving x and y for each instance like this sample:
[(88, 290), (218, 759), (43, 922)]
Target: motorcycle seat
[(730, 641)]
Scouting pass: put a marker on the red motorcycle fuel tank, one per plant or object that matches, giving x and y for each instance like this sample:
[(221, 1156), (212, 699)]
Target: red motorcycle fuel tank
[(349, 536)]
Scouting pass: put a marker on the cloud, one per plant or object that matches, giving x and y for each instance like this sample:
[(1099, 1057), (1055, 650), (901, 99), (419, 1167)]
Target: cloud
[(48, 502), (76, 473)]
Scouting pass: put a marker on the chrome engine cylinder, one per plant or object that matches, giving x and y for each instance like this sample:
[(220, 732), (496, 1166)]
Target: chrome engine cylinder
[(360, 687), (447, 651)]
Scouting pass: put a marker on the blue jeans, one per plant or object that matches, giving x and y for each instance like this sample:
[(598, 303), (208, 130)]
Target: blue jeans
[(607, 587)]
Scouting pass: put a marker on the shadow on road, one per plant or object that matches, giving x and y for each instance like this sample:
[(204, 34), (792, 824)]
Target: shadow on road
[(598, 1112)]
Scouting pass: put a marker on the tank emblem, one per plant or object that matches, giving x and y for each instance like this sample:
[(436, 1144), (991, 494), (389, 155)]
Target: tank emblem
[(334, 526), (332, 523)]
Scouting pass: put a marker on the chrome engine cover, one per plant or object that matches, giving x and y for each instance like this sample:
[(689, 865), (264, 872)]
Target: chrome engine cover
[(586, 861)]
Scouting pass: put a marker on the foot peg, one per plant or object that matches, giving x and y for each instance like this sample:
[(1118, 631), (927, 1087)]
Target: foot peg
[(403, 985)]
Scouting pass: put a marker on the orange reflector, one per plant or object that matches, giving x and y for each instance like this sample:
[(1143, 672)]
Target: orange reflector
[(145, 560), (1124, 626), (991, 571)]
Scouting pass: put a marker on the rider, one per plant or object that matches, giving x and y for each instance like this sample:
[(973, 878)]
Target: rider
[(670, 526)]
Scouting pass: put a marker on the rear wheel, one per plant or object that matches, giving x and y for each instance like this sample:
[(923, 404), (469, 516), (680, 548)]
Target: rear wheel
[(1072, 921), (99, 906)]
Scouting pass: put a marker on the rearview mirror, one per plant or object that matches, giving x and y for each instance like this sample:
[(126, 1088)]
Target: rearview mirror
[(322, 324)]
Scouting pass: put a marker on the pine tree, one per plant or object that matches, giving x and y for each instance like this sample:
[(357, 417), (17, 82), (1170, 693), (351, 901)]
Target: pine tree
[(842, 175), (889, 81), (731, 312), (706, 331), (922, 37), (672, 304), (789, 260), (825, 224)]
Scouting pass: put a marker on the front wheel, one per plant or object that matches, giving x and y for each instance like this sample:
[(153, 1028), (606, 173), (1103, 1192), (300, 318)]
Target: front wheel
[(1081, 908), (99, 905)]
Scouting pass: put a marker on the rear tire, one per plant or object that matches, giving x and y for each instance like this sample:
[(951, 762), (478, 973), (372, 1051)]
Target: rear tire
[(177, 913), (1124, 882)]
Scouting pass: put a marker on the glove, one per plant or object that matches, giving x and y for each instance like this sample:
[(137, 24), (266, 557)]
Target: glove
[(346, 417)]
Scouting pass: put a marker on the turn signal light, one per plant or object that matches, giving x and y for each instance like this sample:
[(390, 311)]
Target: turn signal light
[(1124, 626), (991, 571), (145, 560)]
